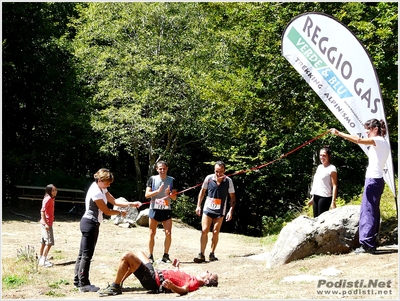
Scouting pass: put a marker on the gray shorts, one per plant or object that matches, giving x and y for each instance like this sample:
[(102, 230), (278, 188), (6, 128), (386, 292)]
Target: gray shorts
[(47, 236)]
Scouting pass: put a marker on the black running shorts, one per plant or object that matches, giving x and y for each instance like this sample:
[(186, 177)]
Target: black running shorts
[(145, 273), (160, 215)]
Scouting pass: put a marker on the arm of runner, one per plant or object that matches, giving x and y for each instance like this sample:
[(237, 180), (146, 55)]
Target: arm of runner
[(181, 290), (150, 193), (174, 194), (200, 200), (229, 215)]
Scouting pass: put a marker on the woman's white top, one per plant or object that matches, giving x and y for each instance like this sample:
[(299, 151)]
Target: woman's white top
[(377, 156), (322, 183)]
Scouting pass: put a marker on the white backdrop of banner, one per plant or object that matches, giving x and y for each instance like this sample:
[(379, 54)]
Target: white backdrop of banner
[(339, 69)]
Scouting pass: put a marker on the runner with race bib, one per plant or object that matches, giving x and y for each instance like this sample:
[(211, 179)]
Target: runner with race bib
[(219, 188), (161, 189)]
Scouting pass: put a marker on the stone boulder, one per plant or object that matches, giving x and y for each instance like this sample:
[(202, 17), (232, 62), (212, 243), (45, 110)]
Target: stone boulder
[(143, 218), (335, 232), (131, 215)]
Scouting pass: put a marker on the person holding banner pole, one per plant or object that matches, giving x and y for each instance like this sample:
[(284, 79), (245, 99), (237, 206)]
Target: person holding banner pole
[(374, 182)]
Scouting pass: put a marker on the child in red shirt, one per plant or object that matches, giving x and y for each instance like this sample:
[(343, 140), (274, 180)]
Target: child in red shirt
[(46, 222)]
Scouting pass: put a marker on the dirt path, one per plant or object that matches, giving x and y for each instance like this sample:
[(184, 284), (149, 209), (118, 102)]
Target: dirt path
[(241, 265)]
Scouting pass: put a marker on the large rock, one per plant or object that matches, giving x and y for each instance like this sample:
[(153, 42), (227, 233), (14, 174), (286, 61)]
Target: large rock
[(334, 231), (143, 218)]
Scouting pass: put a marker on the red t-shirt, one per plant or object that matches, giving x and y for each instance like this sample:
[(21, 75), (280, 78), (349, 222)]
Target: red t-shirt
[(48, 209), (180, 278)]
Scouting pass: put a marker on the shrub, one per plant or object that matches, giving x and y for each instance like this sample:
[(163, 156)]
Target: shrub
[(28, 256), (183, 209)]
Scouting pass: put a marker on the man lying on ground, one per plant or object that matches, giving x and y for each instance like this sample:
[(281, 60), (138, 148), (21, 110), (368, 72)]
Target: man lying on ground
[(158, 281)]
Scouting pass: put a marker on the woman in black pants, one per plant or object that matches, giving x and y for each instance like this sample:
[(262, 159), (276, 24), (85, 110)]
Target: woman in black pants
[(324, 187), (96, 201)]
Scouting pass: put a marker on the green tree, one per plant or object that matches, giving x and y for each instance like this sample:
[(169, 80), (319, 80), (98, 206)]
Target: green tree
[(45, 123), (138, 62)]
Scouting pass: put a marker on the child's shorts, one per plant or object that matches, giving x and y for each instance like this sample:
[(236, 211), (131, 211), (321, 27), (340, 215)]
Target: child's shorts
[(47, 236)]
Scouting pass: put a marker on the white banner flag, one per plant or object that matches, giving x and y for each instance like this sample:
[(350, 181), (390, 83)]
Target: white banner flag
[(339, 69)]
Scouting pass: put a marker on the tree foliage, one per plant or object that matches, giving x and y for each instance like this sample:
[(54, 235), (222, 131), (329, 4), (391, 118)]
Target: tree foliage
[(45, 118)]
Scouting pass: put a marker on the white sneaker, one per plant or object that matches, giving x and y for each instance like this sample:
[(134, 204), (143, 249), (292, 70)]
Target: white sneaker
[(44, 263), (88, 288), (47, 264)]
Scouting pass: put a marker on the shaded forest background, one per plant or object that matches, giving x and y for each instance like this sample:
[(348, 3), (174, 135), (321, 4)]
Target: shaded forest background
[(122, 85)]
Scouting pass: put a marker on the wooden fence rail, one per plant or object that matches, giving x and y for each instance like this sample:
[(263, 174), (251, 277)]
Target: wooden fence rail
[(63, 194)]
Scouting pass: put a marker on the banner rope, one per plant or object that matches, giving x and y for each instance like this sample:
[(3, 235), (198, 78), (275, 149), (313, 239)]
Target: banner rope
[(251, 169)]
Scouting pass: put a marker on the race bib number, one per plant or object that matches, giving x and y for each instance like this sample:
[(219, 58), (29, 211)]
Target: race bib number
[(213, 203), (161, 204)]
